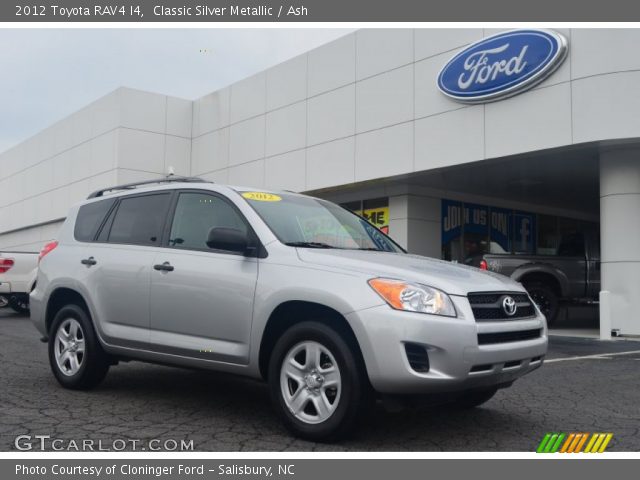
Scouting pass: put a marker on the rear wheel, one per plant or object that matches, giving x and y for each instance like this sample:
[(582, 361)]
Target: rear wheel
[(546, 299), (4, 301), (75, 355), (19, 303), (317, 383)]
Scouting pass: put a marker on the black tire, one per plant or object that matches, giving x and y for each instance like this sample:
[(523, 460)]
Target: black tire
[(546, 299), (19, 303), (473, 398), (94, 363), (4, 301), (355, 391)]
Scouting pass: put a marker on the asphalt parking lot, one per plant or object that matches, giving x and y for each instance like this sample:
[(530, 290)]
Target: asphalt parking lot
[(225, 413)]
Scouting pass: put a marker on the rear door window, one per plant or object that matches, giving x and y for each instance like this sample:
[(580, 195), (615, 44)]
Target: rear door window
[(89, 219), (140, 220)]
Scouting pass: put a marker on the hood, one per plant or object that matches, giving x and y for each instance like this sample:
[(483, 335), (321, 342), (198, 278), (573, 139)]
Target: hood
[(452, 278)]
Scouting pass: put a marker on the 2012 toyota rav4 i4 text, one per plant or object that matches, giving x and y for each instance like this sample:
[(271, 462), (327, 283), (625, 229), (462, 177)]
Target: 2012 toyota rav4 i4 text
[(330, 311)]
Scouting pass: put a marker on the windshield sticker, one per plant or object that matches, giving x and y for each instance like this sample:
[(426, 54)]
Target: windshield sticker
[(262, 196)]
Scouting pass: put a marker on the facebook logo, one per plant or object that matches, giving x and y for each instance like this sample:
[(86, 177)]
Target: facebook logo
[(525, 232)]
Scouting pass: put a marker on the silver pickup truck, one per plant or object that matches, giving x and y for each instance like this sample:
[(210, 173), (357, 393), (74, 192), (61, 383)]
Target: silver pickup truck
[(571, 273)]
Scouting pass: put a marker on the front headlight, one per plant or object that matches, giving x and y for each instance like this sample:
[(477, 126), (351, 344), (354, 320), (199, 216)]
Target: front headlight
[(413, 297)]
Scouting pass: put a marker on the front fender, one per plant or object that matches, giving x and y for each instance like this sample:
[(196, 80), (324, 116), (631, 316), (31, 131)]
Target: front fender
[(278, 284)]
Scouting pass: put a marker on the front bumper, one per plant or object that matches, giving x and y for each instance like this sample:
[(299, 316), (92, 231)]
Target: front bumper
[(456, 360)]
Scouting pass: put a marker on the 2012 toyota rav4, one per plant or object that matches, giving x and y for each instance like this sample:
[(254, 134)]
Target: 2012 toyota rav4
[(292, 289)]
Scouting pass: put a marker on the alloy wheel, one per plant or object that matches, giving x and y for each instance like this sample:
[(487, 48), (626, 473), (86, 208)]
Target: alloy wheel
[(69, 348), (310, 382)]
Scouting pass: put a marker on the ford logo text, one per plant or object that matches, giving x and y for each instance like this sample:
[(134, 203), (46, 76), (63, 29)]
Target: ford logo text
[(502, 65)]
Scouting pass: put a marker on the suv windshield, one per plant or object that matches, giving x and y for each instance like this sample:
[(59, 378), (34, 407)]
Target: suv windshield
[(300, 221)]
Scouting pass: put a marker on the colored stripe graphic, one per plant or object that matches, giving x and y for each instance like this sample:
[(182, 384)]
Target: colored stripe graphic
[(599, 442), (543, 443), (606, 442), (581, 443), (556, 446), (550, 443), (555, 442), (592, 441), (567, 442), (577, 439)]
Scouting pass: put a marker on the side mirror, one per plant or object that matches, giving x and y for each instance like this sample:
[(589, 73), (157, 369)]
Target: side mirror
[(230, 239)]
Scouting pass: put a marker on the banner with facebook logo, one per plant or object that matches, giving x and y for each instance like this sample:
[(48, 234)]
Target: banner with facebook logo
[(524, 235), (504, 230)]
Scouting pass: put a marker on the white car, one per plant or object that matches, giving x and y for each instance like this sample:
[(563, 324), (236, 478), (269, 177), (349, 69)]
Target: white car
[(18, 271)]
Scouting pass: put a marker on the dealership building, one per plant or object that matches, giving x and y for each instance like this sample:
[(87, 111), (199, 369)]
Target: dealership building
[(368, 121)]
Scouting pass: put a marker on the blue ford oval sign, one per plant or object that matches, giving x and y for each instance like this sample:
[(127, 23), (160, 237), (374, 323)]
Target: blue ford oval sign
[(502, 65)]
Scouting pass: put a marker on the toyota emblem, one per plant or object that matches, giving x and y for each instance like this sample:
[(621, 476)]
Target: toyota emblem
[(509, 306)]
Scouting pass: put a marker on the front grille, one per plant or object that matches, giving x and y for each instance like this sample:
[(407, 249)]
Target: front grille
[(417, 356), (505, 337), (488, 306)]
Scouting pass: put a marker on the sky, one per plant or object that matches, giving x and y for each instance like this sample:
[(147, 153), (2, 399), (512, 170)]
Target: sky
[(47, 74)]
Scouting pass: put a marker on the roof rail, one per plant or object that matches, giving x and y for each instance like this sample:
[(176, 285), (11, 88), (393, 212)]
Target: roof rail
[(130, 186)]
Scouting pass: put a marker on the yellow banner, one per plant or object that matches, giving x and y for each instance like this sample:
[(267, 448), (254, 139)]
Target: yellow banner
[(378, 217)]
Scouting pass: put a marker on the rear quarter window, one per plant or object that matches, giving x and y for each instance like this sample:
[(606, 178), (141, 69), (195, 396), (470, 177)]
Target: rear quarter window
[(89, 219)]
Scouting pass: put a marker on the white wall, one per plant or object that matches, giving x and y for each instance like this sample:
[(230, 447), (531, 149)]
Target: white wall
[(125, 136), (366, 106), (360, 108)]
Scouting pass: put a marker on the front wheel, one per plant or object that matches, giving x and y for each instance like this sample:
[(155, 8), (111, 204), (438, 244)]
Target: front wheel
[(546, 299), (75, 355), (317, 383)]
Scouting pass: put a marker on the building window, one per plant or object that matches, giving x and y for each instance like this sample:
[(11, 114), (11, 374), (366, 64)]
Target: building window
[(469, 230), (376, 211)]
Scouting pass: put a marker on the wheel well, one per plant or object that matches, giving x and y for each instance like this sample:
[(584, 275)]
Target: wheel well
[(544, 278), (289, 313), (58, 299)]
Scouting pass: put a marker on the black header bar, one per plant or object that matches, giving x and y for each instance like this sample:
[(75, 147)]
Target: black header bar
[(319, 11)]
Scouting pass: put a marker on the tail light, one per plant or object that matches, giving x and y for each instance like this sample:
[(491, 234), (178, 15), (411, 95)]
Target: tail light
[(5, 264), (46, 249), (484, 265)]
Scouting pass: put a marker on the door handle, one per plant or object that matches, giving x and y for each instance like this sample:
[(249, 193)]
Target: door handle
[(163, 267), (88, 261)]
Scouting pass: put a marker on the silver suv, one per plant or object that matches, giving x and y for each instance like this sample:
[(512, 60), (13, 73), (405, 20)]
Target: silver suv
[(288, 288)]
